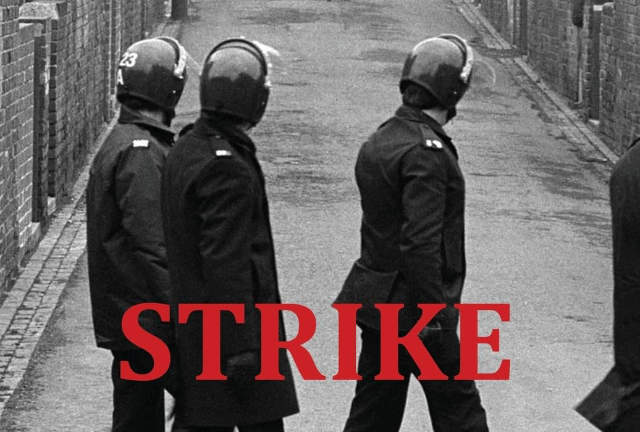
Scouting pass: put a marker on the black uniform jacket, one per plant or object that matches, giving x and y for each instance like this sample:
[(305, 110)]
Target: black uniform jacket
[(412, 197), (126, 249), (625, 209), (220, 250)]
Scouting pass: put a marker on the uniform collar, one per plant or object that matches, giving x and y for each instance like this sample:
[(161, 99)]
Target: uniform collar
[(130, 116), (408, 113), (213, 126)]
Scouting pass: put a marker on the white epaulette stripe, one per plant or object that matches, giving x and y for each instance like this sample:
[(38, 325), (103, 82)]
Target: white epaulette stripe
[(434, 144)]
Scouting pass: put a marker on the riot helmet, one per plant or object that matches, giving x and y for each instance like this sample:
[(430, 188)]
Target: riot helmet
[(441, 65), (153, 70), (235, 81)]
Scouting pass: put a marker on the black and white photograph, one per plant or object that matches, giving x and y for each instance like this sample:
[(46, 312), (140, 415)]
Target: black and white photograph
[(319, 216)]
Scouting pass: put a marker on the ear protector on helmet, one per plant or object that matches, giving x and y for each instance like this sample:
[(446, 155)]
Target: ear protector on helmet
[(181, 56), (467, 52)]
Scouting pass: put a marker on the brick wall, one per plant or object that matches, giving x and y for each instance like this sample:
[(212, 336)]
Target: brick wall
[(497, 11), (78, 89), (57, 77), (19, 116), (16, 136), (620, 72), (556, 47), (544, 31), (596, 66)]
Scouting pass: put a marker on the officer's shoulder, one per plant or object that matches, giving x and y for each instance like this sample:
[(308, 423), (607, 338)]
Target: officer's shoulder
[(221, 149), (425, 151), (207, 149), (435, 144), (185, 130), (217, 156), (428, 139), (135, 137), (396, 131), (145, 147), (410, 136), (627, 165), (223, 162)]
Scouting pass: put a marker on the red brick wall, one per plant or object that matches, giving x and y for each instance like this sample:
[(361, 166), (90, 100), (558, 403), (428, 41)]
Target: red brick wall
[(57, 78)]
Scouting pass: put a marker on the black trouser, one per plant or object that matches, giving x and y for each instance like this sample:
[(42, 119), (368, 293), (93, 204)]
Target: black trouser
[(137, 405), (454, 406), (274, 426)]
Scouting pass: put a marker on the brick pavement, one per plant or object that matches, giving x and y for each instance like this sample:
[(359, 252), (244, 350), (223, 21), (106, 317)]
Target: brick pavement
[(30, 303)]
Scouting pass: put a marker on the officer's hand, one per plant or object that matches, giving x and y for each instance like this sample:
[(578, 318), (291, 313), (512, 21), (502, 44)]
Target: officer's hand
[(241, 369)]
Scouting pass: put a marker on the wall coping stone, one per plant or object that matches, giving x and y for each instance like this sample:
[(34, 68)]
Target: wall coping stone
[(43, 10)]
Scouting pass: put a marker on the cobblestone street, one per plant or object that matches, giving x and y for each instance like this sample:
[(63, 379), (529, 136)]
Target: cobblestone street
[(538, 231)]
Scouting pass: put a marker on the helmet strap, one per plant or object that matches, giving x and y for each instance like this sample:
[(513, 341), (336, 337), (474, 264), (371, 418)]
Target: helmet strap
[(451, 113)]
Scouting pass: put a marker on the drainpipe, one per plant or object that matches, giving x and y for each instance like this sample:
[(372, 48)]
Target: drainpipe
[(577, 18), (179, 9)]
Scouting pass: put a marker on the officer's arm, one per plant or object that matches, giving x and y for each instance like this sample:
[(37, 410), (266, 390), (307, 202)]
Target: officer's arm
[(138, 180), (625, 212), (224, 194), (624, 189), (423, 202)]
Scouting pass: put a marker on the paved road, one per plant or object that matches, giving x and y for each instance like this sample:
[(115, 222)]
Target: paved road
[(538, 219)]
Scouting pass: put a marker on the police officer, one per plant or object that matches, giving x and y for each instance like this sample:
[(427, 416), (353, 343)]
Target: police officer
[(126, 250), (614, 405), (412, 197), (220, 247), (625, 212)]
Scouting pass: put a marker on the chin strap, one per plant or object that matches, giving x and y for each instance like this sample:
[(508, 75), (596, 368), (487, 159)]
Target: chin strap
[(451, 113)]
